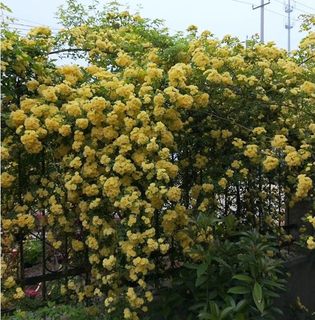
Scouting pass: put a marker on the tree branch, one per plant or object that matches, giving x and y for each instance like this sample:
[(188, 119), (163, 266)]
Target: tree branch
[(309, 58), (68, 50)]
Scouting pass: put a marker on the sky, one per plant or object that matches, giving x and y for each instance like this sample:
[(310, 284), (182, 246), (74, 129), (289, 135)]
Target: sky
[(221, 17)]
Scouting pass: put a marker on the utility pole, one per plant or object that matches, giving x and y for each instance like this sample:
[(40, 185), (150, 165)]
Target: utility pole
[(262, 19), (289, 25)]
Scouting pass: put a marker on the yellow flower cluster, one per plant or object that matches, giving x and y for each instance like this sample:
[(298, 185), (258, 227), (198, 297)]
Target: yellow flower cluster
[(305, 184), (251, 151), (310, 243), (6, 180), (293, 159), (128, 152), (270, 163), (77, 245), (279, 141), (108, 263), (311, 220)]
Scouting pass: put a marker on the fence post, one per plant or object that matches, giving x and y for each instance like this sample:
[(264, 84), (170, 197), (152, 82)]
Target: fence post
[(21, 249), (44, 291), (66, 264)]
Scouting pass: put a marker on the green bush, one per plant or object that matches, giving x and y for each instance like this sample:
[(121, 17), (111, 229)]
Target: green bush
[(58, 312), (32, 252), (237, 279)]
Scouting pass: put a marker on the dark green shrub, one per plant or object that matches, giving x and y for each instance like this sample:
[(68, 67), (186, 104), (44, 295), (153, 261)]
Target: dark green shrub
[(238, 278)]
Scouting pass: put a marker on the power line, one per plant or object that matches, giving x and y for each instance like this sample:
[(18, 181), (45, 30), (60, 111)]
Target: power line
[(296, 7), (31, 23), (28, 25), (281, 15), (28, 21), (24, 31), (243, 2), (275, 12), (304, 5), (303, 11)]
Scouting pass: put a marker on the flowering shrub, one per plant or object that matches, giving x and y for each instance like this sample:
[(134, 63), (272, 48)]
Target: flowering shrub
[(123, 155)]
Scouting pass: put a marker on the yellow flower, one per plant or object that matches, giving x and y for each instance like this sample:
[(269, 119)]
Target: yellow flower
[(76, 163), (293, 159), (310, 243), (244, 172), (200, 59), (71, 73), (279, 141), (312, 127), (32, 85), (238, 143), (229, 173), (40, 31), (207, 187), (164, 247), (57, 244), (308, 87), (31, 142), (177, 74), (236, 164), (6, 224), (9, 282), (127, 313), (71, 285), (270, 163), (31, 123), (5, 154), (77, 245), (49, 94), (19, 293), (251, 151), (82, 123), (92, 243), (65, 130), (174, 194), (311, 220), (17, 118), (222, 183), (259, 130), (149, 295), (123, 60), (6, 180), (226, 134), (112, 187), (305, 184), (108, 263), (201, 161)]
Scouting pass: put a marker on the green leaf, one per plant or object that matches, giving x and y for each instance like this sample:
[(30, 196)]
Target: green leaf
[(191, 266), (239, 290), (258, 297), (204, 315), (241, 305), (226, 312), (214, 309), (202, 269), (221, 261), (240, 316), (243, 277), (201, 280)]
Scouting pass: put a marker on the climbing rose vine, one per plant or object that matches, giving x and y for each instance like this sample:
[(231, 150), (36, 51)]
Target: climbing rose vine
[(124, 154)]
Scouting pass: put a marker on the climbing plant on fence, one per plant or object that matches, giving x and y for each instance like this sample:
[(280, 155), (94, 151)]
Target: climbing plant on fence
[(124, 156)]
